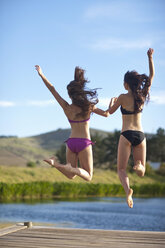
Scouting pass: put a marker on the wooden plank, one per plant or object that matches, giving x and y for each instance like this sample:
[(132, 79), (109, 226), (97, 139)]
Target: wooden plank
[(11, 229), (81, 238)]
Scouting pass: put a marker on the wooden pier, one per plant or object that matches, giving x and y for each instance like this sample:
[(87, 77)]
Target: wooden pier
[(41, 237)]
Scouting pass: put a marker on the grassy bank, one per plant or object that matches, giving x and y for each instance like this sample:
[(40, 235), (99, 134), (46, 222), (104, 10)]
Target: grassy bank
[(24, 174), (46, 182), (40, 190)]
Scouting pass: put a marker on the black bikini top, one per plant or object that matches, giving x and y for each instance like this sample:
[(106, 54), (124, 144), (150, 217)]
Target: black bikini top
[(127, 112)]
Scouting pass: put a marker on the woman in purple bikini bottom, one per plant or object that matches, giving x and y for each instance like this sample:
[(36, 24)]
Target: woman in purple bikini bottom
[(79, 145)]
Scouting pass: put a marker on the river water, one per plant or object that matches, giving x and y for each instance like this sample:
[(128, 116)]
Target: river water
[(111, 213)]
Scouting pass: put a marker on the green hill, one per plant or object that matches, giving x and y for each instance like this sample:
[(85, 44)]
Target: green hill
[(18, 151), (53, 140)]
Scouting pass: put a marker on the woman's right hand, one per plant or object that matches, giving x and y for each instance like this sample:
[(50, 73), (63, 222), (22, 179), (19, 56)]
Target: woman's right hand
[(150, 52), (38, 68)]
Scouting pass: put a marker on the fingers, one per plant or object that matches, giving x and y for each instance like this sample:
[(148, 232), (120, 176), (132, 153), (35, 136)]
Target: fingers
[(114, 99), (150, 51), (37, 67)]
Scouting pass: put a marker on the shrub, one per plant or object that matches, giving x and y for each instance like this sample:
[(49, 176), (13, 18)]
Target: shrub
[(149, 169), (161, 169), (31, 164), (40, 190)]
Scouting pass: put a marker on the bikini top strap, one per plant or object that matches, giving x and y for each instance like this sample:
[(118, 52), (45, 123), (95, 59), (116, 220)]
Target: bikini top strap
[(127, 112), (71, 121)]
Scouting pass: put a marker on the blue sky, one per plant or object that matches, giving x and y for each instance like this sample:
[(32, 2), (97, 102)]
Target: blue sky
[(106, 38)]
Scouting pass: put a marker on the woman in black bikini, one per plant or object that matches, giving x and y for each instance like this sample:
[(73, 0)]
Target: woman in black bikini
[(131, 105)]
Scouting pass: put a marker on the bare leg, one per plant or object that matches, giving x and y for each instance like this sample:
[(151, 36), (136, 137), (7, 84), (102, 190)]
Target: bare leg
[(86, 163), (70, 169), (72, 160), (139, 154), (124, 150)]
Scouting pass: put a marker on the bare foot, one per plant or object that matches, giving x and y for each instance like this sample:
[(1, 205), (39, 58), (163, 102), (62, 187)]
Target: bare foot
[(139, 168), (52, 161), (129, 198)]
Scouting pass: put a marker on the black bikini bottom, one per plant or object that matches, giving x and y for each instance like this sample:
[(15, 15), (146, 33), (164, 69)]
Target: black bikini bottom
[(134, 137)]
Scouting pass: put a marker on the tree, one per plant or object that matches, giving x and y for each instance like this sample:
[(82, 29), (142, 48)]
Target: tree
[(98, 150), (156, 146), (61, 154), (111, 144)]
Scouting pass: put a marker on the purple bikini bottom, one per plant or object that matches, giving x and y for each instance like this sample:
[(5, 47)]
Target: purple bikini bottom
[(76, 145)]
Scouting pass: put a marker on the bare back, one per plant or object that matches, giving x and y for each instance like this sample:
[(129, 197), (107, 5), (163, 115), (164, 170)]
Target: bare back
[(130, 121), (80, 129)]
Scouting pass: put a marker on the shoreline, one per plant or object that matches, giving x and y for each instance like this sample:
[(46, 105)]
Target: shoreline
[(6, 225), (70, 190)]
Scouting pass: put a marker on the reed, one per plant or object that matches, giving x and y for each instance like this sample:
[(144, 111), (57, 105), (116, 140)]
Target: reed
[(41, 190)]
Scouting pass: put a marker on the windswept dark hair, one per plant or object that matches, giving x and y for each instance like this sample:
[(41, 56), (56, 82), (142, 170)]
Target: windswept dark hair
[(139, 85), (82, 97)]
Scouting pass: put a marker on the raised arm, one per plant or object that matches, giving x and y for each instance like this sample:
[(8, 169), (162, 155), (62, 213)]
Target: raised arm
[(101, 112), (115, 103), (151, 64), (59, 99), (109, 111)]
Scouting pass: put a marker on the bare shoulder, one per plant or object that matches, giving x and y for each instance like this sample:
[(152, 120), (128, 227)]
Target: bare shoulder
[(123, 95), (121, 98), (71, 111), (93, 108), (68, 107)]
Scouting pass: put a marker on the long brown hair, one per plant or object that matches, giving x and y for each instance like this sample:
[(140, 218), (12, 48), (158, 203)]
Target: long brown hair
[(81, 97), (139, 85)]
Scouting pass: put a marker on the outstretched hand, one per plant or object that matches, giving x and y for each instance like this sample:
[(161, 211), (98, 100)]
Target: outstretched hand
[(38, 68), (112, 102), (150, 52)]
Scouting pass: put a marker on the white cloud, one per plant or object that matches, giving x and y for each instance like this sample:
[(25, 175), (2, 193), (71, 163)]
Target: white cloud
[(41, 103), (112, 43), (27, 103), (7, 104), (104, 102), (158, 98)]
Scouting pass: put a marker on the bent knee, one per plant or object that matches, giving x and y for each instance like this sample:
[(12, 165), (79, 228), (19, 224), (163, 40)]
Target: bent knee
[(141, 174), (71, 177), (119, 170), (89, 178)]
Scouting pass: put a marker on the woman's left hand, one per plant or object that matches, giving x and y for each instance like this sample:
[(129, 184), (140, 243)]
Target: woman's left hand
[(113, 101)]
